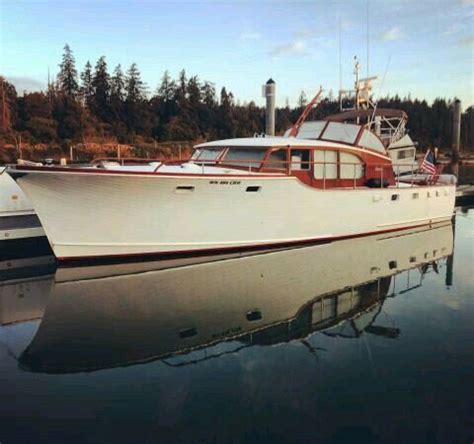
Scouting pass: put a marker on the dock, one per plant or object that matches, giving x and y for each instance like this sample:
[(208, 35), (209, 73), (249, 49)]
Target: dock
[(464, 195)]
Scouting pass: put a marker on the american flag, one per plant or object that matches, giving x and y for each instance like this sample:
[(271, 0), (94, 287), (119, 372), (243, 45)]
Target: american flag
[(428, 163)]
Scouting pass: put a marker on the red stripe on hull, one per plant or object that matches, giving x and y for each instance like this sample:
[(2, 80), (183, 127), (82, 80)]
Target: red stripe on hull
[(223, 250)]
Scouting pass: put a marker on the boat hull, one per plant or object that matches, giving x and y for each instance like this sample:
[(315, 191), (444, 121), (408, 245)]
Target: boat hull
[(17, 217), (91, 214)]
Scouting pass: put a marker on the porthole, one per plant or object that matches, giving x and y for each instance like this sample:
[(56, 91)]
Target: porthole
[(184, 189), (253, 189)]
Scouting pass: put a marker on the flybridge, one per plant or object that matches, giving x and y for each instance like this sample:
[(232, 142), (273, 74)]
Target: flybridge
[(362, 125)]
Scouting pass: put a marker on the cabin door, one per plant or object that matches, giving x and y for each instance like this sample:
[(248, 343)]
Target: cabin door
[(301, 165)]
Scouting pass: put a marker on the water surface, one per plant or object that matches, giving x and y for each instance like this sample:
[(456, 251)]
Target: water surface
[(367, 340)]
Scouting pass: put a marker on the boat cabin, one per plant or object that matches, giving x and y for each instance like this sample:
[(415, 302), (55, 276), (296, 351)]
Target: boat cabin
[(381, 130), (320, 164)]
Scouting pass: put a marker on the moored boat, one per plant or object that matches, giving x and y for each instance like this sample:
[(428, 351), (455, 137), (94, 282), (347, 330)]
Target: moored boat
[(322, 181), (236, 194), (18, 220)]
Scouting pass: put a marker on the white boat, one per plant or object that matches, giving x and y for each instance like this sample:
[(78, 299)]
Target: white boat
[(17, 216), (232, 195), (174, 313), (322, 181)]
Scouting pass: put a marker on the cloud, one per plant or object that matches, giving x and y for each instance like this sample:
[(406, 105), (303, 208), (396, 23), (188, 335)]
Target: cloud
[(392, 34), (307, 33), (297, 46), (250, 36), (27, 84), (467, 41), (467, 2)]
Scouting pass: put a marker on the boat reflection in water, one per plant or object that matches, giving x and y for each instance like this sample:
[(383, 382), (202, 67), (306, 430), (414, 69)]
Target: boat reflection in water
[(25, 286), (102, 317)]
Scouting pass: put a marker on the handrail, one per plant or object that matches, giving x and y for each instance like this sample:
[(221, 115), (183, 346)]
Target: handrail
[(290, 166), (123, 160)]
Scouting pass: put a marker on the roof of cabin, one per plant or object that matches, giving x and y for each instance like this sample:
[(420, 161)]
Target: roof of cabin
[(354, 113), (266, 142)]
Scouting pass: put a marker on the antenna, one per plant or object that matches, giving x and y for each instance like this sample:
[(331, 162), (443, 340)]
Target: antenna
[(340, 54), (380, 90), (367, 38)]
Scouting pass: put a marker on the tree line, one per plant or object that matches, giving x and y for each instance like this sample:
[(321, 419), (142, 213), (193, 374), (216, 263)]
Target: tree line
[(99, 104)]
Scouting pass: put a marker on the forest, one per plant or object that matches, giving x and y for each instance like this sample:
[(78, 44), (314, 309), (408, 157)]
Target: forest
[(102, 106)]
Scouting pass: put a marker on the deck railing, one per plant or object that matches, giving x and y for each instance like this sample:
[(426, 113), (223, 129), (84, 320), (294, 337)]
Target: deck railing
[(252, 167)]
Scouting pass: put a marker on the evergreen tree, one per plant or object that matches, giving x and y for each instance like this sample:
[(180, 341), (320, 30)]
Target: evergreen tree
[(86, 85), (208, 94), (8, 105), (117, 94), (167, 89), (225, 122), (302, 100), (182, 109), (194, 93), (164, 106), (67, 76), (101, 90), (182, 82), (134, 87), (208, 110), (183, 125), (117, 84), (136, 113)]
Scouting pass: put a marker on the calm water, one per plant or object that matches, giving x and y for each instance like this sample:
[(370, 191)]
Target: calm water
[(368, 340)]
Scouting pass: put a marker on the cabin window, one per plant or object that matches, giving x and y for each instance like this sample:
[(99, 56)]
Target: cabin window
[(311, 130), (406, 154), (325, 164), (206, 153), (245, 157), (350, 166), (341, 132), (371, 141), (277, 159), (300, 159)]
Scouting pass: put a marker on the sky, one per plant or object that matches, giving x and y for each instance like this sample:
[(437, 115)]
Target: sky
[(422, 48)]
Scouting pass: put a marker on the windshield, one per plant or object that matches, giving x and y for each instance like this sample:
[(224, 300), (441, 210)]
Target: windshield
[(206, 153), (245, 157)]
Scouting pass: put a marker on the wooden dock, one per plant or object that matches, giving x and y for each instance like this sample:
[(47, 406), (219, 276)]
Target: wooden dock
[(464, 195)]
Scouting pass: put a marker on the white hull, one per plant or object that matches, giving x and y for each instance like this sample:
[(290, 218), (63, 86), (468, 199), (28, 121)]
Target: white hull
[(17, 216), (100, 214)]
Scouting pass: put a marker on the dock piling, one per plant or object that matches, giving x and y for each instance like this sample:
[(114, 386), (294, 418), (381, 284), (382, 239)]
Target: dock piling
[(269, 94), (456, 129)]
